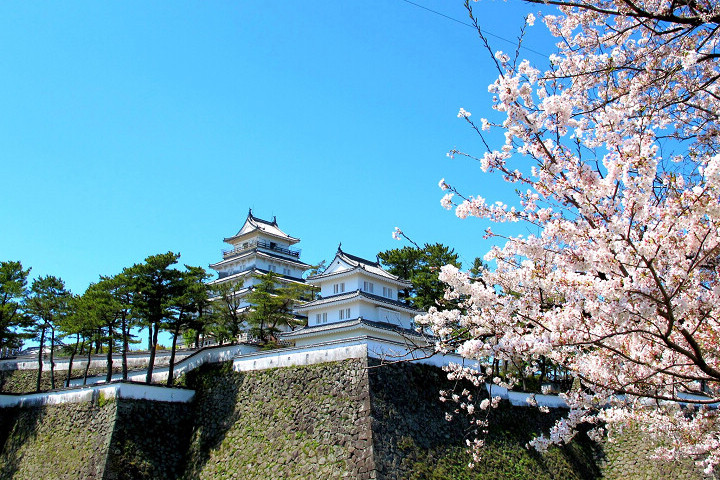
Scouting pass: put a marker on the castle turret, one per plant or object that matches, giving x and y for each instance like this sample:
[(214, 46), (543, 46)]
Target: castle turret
[(259, 247), (357, 297)]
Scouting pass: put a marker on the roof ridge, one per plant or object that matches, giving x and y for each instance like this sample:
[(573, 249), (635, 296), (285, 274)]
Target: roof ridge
[(358, 259)]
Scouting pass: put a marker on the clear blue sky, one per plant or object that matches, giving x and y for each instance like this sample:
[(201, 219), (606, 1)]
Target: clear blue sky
[(133, 128)]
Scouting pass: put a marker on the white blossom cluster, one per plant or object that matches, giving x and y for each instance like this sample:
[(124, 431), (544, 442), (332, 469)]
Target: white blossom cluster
[(615, 149)]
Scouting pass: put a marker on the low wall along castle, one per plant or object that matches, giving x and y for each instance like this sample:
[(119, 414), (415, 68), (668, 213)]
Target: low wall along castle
[(328, 412)]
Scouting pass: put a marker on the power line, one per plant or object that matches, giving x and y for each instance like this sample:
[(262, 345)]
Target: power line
[(485, 32)]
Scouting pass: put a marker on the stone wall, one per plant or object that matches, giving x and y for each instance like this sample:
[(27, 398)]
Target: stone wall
[(413, 439), (102, 439), (289, 423), (66, 441), (24, 381), (630, 456), (326, 421), (148, 440)]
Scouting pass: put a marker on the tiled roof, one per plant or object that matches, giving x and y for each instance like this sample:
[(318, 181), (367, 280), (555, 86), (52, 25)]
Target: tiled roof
[(357, 294), (261, 253), (354, 258), (360, 263), (253, 223), (352, 323), (255, 270), (372, 267)]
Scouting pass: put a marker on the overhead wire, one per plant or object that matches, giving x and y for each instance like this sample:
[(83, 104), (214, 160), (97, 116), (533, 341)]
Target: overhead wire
[(484, 32)]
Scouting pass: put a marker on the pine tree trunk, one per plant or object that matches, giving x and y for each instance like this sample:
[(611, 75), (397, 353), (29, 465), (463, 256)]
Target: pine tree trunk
[(40, 355), (72, 357), (123, 327), (171, 369), (52, 357), (543, 371), (87, 365), (151, 363), (108, 375)]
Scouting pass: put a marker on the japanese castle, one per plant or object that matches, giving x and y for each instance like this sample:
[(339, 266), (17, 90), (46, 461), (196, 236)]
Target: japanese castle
[(259, 247), (357, 298)]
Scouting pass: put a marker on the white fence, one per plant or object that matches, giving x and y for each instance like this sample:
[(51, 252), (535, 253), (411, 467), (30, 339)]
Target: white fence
[(134, 360), (107, 391), (247, 358)]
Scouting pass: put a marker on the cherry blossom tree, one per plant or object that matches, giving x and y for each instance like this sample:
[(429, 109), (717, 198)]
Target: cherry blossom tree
[(614, 148)]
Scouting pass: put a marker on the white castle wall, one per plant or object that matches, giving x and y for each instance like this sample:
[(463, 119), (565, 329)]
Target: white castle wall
[(107, 391)]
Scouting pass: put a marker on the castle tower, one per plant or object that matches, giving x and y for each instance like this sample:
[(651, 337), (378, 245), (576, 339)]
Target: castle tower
[(259, 247), (357, 298)]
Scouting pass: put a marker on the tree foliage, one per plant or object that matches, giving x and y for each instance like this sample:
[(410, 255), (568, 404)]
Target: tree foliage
[(153, 283), (188, 307), (614, 147), (229, 318), (272, 304), (421, 266), (13, 293), (48, 304)]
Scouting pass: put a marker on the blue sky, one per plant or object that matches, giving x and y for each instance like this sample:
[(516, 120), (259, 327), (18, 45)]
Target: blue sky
[(134, 128)]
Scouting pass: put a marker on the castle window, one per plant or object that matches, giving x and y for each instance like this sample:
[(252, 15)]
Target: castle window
[(339, 288), (344, 314), (368, 287)]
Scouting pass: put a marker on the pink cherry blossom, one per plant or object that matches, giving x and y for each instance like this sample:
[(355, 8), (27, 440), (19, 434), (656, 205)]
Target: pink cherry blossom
[(621, 182)]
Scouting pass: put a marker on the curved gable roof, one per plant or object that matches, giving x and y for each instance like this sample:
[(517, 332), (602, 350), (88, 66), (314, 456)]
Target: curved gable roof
[(253, 224), (355, 263)]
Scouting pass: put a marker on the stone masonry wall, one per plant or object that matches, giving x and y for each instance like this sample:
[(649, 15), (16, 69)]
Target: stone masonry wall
[(24, 381), (413, 439), (325, 421), (98, 440), (66, 441), (289, 423), (149, 440), (630, 455)]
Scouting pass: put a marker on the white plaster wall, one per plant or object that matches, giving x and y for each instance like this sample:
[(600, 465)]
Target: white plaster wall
[(289, 357), (327, 287), (360, 308), (368, 311), (523, 399), (333, 312), (160, 374), (335, 266), (134, 361), (378, 288), (86, 394), (385, 346), (384, 314)]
